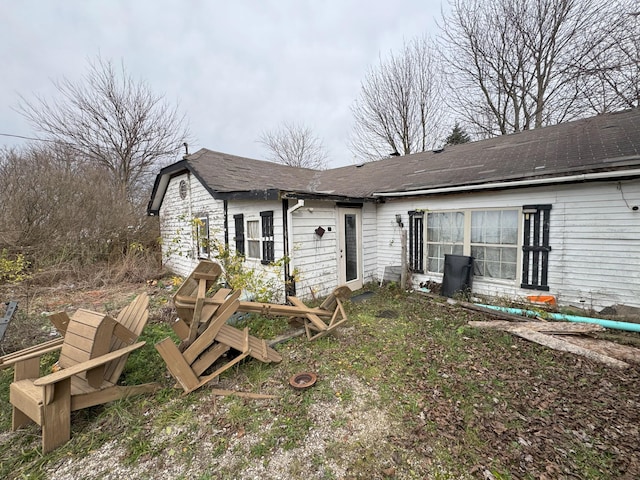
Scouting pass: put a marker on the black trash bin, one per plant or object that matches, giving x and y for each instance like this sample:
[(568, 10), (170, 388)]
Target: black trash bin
[(458, 275)]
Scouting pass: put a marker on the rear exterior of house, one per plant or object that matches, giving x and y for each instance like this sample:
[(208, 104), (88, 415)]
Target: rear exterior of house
[(579, 242), (550, 211)]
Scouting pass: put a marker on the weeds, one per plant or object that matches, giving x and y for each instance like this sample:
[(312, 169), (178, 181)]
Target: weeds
[(406, 389)]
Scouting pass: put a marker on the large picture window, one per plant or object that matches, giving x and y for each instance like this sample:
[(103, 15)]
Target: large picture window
[(445, 234), (491, 237), (494, 243)]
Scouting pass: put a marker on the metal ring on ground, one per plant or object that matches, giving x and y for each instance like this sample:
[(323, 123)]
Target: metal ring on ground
[(304, 380)]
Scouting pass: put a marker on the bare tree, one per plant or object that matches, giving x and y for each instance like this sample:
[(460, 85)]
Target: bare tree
[(513, 64), (295, 145), (610, 74), (53, 218), (112, 120), (399, 106)]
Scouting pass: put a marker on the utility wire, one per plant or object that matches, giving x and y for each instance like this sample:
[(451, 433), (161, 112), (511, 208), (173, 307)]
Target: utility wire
[(25, 138)]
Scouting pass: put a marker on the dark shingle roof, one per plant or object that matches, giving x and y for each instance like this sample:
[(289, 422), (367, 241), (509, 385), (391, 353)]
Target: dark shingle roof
[(602, 143), (222, 172)]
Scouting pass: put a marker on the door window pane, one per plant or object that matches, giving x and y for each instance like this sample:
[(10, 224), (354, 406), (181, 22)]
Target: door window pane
[(351, 247)]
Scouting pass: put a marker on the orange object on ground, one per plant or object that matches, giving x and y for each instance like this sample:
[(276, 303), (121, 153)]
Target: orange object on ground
[(545, 299)]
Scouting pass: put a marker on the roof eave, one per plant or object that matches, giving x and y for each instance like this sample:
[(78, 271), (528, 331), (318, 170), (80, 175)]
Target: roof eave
[(522, 183), (162, 182), (294, 195)]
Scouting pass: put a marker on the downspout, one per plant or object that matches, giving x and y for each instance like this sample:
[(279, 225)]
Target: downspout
[(289, 236), (226, 223)]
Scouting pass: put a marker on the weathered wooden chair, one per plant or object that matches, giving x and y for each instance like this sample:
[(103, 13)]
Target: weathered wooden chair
[(189, 299), (192, 303), (93, 353), (314, 325), (206, 336), (214, 338)]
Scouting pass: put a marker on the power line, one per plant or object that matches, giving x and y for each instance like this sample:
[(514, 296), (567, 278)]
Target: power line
[(26, 138)]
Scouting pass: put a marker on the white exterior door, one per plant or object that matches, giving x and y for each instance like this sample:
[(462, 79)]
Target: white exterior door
[(350, 247)]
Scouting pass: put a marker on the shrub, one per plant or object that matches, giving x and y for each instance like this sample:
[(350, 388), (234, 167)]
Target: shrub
[(12, 269)]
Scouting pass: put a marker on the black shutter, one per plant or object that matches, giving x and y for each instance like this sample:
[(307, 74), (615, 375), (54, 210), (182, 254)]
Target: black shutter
[(535, 247), (238, 220), (416, 241), (268, 247)]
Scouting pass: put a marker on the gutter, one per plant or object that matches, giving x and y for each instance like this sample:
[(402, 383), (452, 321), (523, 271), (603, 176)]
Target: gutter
[(515, 183)]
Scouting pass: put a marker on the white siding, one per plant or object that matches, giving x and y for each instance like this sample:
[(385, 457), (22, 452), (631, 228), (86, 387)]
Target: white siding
[(315, 258), (594, 236), (369, 242), (251, 210), (179, 249)]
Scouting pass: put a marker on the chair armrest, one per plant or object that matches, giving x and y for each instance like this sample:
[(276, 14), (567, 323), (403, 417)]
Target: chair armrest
[(84, 366), (31, 352), (124, 334)]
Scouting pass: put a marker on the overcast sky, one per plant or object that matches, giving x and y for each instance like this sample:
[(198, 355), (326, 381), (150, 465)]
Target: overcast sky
[(236, 68)]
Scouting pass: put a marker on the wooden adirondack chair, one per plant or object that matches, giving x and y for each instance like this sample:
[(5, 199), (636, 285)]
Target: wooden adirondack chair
[(215, 339), (196, 310), (92, 356)]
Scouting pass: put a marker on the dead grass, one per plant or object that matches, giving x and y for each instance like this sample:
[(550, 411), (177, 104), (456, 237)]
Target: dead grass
[(405, 390)]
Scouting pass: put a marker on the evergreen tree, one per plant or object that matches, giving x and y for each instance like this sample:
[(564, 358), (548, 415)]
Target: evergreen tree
[(457, 136)]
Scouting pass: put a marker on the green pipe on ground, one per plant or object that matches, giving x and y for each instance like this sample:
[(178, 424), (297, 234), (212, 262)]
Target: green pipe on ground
[(631, 327)]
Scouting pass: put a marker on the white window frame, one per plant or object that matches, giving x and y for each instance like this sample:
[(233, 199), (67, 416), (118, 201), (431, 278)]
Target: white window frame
[(498, 247), (450, 247), (467, 244), (253, 240), (202, 236)]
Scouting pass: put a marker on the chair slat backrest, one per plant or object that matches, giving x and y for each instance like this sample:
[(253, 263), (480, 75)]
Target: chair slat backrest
[(88, 336), (188, 291), (133, 317)]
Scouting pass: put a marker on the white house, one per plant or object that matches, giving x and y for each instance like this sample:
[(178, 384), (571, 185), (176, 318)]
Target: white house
[(553, 210)]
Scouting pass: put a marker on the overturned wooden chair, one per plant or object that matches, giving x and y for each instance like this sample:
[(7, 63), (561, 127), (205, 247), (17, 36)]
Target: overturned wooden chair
[(314, 325), (93, 353), (191, 303), (189, 299), (205, 335), (213, 339)]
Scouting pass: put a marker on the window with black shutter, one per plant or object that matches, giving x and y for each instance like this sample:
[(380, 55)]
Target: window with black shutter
[(268, 244), (238, 220)]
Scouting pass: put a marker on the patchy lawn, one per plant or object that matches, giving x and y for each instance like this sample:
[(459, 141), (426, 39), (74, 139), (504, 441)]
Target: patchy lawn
[(405, 390)]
